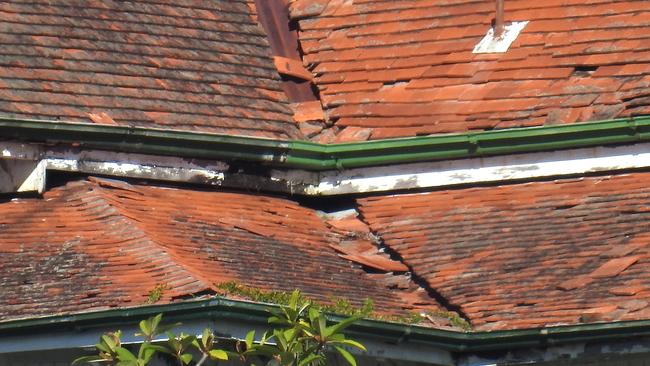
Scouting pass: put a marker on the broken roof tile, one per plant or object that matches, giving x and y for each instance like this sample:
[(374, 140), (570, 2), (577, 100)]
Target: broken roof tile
[(614, 266), (361, 50), (527, 254), (105, 243)]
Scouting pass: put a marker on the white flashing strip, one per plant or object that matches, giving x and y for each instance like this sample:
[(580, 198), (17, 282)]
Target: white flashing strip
[(362, 180), (491, 44)]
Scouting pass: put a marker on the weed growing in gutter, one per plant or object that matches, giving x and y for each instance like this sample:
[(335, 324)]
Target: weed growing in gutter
[(156, 293), (340, 306)]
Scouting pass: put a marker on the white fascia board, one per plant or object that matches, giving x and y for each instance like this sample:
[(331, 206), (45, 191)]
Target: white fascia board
[(484, 170), (506, 168)]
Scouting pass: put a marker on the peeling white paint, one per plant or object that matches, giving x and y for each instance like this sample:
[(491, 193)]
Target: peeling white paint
[(18, 175), (131, 170), (483, 170), (363, 180), (492, 44)]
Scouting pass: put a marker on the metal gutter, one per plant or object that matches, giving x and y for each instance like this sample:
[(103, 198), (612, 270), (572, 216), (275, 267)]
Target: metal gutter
[(393, 333), (319, 157)]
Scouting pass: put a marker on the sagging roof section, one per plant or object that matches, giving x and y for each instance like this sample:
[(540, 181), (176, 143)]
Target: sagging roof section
[(98, 243), (201, 66), (406, 68), (528, 255)]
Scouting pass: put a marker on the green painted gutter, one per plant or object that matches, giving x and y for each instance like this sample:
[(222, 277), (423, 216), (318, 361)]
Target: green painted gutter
[(220, 308), (318, 157)]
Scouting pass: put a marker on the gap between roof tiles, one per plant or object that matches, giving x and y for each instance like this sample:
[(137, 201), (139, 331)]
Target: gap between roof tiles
[(366, 248)]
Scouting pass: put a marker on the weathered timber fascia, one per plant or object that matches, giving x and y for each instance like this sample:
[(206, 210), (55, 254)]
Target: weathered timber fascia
[(314, 169)]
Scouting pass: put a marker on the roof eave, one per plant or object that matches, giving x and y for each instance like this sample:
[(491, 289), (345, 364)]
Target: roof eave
[(395, 333)]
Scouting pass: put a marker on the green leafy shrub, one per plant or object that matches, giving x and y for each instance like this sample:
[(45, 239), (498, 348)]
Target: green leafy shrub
[(300, 335)]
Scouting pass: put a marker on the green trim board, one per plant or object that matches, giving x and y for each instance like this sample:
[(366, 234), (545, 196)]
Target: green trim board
[(321, 157), (395, 333)]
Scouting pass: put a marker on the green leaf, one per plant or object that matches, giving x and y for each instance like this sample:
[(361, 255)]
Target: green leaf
[(159, 348), (290, 334), (145, 327), (124, 354), (268, 351), (348, 357), (339, 326), (313, 314), (350, 342), (207, 339), (109, 342), (146, 354), (309, 359), (154, 321), (186, 358), (276, 320), (322, 325), (218, 354), (103, 347), (186, 340), (293, 301), (250, 336), (127, 363)]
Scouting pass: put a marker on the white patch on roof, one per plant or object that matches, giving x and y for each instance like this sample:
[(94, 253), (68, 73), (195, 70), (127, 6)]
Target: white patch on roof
[(491, 44)]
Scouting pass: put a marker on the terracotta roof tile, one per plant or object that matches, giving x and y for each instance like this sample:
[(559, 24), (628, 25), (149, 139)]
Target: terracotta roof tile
[(202, 66), (406, 67), (105, 243), (526, 255)]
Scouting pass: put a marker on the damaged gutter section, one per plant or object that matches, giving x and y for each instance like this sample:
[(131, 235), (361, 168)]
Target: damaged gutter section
[(318, 157)]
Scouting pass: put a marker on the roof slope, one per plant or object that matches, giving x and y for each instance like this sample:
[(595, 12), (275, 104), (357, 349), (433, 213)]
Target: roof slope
[(103, 243), (188, 65), (526, 255), (405, 67)]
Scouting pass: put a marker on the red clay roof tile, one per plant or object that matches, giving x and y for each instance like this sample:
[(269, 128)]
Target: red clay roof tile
[(204, 67), (359, 50), (105, 243), (526, 255)]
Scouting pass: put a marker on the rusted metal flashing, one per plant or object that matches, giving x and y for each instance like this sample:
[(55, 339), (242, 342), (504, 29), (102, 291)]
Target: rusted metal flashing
[(291, 67), (274, 17)]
